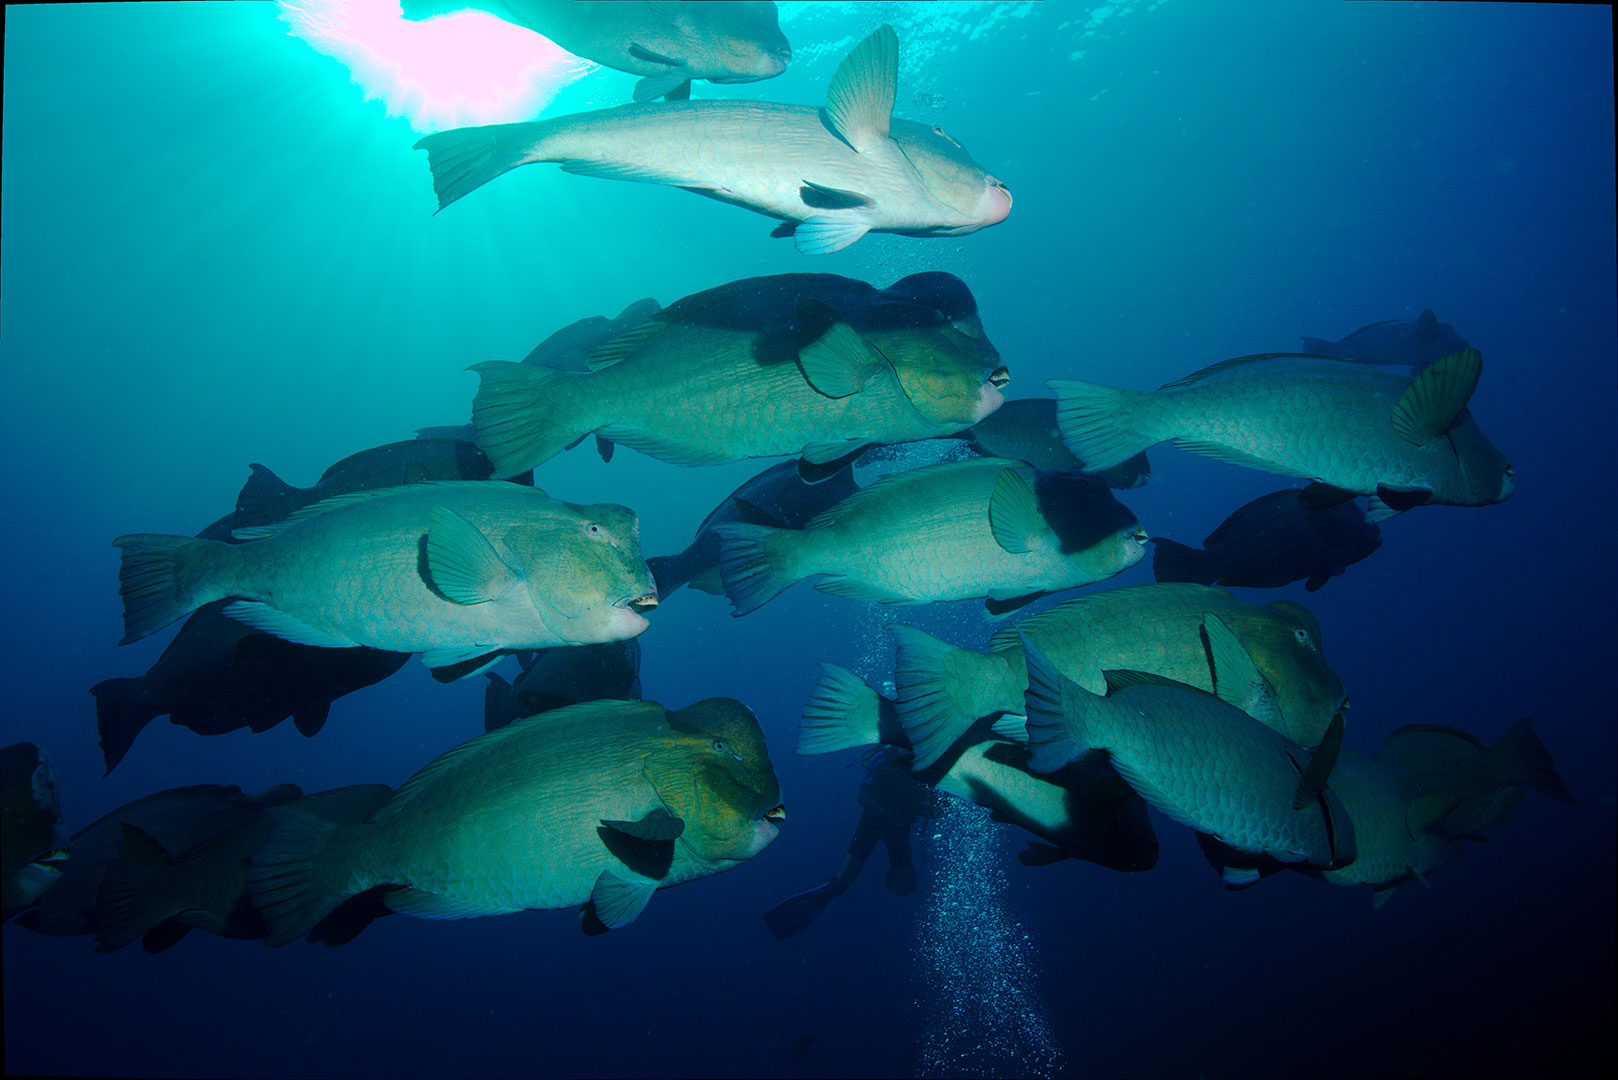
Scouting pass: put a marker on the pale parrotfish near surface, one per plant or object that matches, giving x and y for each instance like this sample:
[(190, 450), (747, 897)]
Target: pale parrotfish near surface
[(943, 690), (670, 42), (807, 364), (1412, 343), (1081, 811), (963, 529), (1353, 429), (598, 804), (1204, 760), (456, 571), (832, 174), (33, 849)]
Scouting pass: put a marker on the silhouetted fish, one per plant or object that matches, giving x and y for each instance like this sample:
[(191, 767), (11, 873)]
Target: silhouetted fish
[(1414, 343), (1270, 542)]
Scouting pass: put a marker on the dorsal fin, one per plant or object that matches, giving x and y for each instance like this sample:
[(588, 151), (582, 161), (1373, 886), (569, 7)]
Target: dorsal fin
[(883, 488), (614, 349), (1427, 327), (1123, 678), (1435, 398), (339, 502), (1234, 362), (859, 102)]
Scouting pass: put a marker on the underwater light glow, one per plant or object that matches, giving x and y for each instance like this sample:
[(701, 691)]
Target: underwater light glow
[(450, 71)]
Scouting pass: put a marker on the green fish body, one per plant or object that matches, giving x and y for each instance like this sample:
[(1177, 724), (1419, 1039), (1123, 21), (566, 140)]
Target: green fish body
[(1351, 427), (453, 570), (981, 528), (1392, 839), (1153, 628), (602, 802), (809, 364)]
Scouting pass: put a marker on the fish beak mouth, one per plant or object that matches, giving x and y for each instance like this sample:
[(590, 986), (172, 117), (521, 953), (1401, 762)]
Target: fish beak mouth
[(640, 605), (777, 815), (999, 377), (1140, 536)]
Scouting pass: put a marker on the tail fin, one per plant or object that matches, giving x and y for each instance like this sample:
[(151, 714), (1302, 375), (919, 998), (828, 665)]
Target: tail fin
[(523, 415), (791, 916), (1101, 424), (1528, 762), (299, 874), (159, 581), (842, 712), (1178, 562), (752, 563), (1056, 710), (121, 714), (266, 499), (933, 710), (464, 159)]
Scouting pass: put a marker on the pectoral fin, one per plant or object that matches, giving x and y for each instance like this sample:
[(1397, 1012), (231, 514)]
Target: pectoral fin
[(141, 846), (657, 825), (461, 563), (1038, 854), (649, 56), (1400, 499), (997, 609), (1318, 496), (1435, 398), (1313, 781), (673, 86), (834, 359), (1014, 515), (823, 197)]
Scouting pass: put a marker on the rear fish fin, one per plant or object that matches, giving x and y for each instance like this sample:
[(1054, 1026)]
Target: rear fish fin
[(842, 712), (1528, 762), (299, 873), (462, 566), (270, 620), (673, 86), (266, 498), (151, 569), (1425, 813), (1320, 347), (930, 716), (1377, 511), (632, 172), (122, 713), (1173, 561), (784, 230), (1317, 581), (1228, 454), (1039, 854), (752, 564), (617, 900), (464, 159), (1057, 712), (822, 236), (1011, 726), (1434, 399), (859, 101), (525, 414), (1101, 424), (420, 904), (1014, 516), (165, 935), (1313, 782), (834, 359), (465, 662), (1380, 894)]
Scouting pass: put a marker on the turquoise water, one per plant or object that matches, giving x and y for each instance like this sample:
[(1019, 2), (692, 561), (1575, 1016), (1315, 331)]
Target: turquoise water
[(218, 251)]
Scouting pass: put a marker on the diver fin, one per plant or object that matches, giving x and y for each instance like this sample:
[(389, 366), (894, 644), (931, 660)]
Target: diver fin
[(275, 621), (659, 824), (822, 197), (822, 236), (1014, 516), (1319, 496), (1434, 399), (834, 359), (673, 86), (616, 901), (859, 101), (1313, 783), (461, 563)]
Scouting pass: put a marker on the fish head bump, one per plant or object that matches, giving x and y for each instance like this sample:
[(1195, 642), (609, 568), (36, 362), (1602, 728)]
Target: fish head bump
[(970, 197), (742, 41), (587, 578), (1284, 640), (1488, 475), (713, 771)]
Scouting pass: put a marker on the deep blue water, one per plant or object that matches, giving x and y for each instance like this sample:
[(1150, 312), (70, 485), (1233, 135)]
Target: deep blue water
[(216, 252)]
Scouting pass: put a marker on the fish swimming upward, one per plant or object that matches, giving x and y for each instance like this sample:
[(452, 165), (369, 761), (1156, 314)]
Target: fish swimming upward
[(1352, 428), (670, 42), (832, 174)]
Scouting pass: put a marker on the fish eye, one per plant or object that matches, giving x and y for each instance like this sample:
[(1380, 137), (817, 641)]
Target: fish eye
[(719, 746), (1510, 473), (1344, 706), (593, 529), (1303, 638)]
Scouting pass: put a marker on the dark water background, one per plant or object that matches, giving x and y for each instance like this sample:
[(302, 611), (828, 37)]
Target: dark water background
[(215, 252)]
